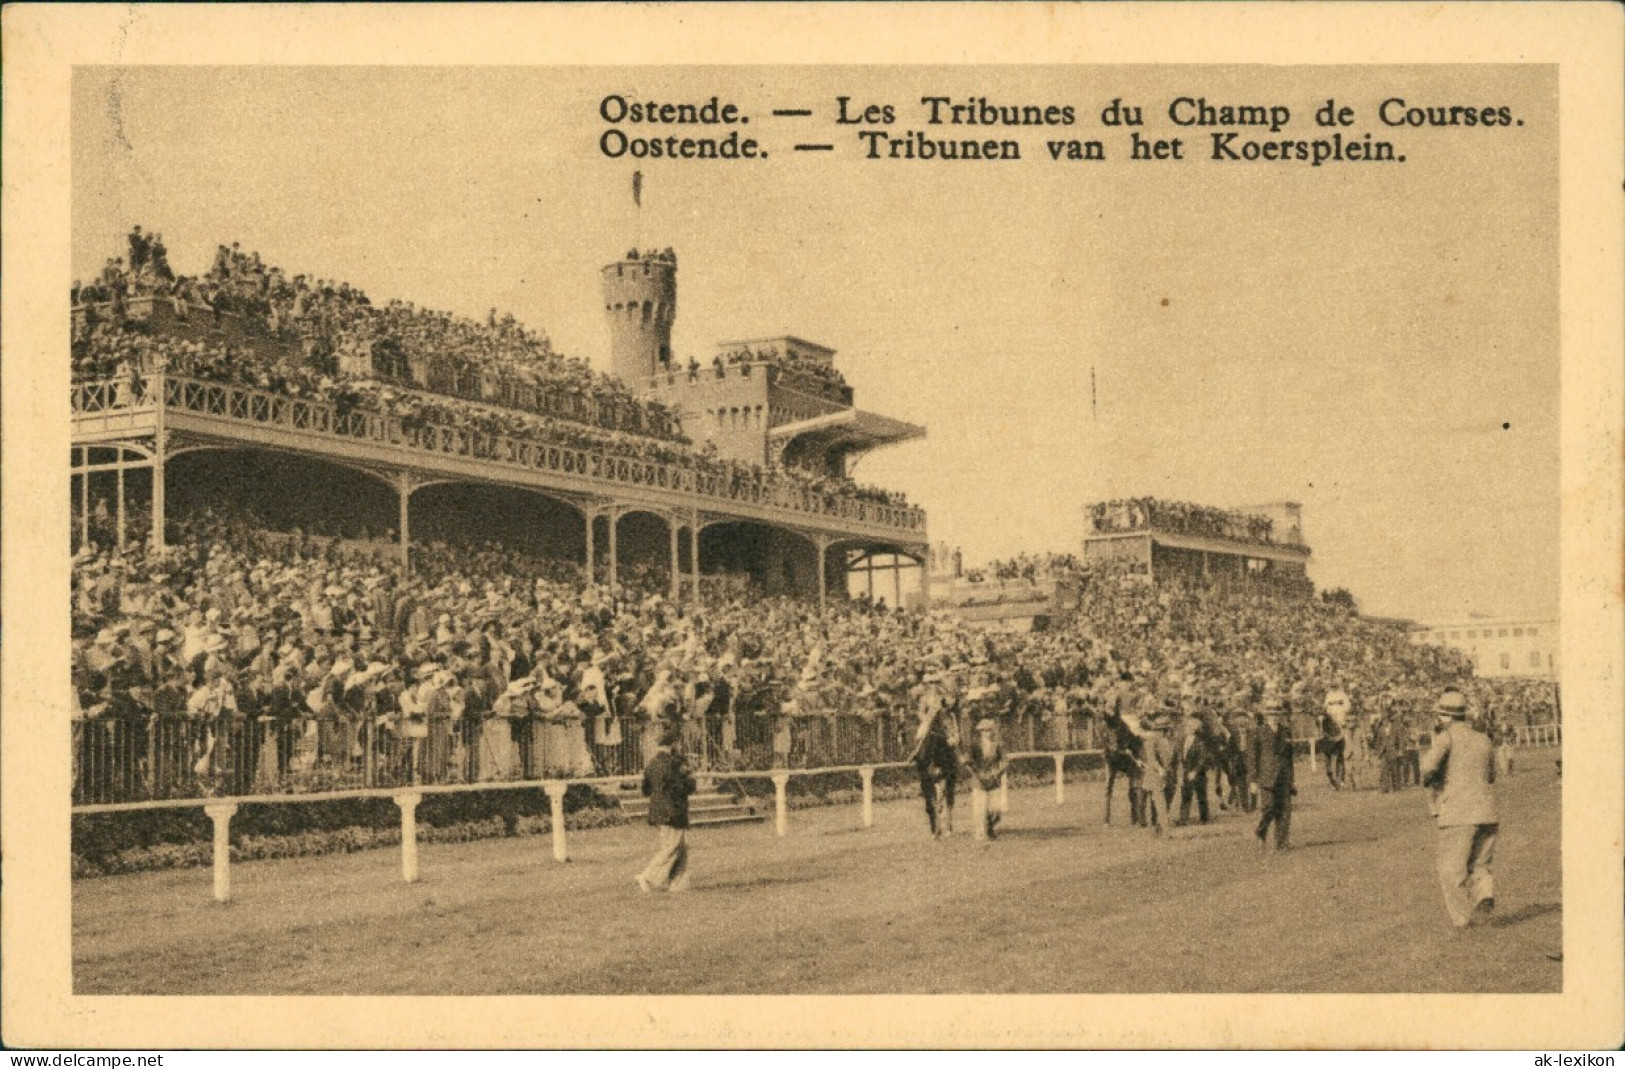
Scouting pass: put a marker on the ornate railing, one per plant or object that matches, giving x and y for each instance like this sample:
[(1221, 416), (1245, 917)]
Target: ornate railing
[(246, 405), (440, 377)]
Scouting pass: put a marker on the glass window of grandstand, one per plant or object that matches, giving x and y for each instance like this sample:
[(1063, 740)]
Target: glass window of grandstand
[(1501, 633)]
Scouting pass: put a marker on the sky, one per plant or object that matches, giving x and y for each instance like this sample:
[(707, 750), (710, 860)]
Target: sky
[(1376, 341)]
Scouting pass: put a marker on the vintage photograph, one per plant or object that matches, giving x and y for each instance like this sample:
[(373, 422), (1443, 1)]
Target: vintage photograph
[(962, 530), (745, 528)]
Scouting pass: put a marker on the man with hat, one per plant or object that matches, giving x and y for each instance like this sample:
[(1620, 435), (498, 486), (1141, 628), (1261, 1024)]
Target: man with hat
[(1156, 761), (667, 784), (1275, 776), (1460, 767)]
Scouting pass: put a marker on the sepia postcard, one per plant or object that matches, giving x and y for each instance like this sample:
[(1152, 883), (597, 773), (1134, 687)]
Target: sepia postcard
[(813, 525)]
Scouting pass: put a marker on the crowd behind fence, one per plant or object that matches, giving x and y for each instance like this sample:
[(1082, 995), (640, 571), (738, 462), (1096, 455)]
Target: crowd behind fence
[(132, 759)]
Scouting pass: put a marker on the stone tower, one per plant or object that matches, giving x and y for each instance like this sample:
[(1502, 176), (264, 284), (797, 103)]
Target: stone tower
[(640, 300)]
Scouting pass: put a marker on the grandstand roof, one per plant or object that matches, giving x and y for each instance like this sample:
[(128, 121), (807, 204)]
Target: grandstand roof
[(850, 430), (1281, 551)]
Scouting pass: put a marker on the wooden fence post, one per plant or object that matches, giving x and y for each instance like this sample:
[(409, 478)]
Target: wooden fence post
[(781, 803), (868, 775), (555, 796), (221, 813), (1060, 779), (408, 803)]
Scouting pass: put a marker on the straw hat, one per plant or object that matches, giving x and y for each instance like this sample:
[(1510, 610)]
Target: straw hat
[(1453, 703)]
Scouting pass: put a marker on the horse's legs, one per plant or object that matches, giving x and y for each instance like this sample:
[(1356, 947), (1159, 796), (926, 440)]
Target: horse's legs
[(948, 800), (928, 791), (1111, 781)]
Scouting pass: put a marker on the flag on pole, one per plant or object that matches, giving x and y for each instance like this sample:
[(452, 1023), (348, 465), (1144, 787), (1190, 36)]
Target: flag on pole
[(637, 188)]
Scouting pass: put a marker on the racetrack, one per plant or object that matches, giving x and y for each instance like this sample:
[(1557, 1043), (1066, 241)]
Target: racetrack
[(1058, 904)]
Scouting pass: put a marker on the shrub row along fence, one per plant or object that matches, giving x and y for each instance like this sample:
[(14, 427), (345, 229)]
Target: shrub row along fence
[(559, 792), (144, 758)]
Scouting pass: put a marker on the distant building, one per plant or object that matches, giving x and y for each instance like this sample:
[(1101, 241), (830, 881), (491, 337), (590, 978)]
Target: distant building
[(1499, 647)]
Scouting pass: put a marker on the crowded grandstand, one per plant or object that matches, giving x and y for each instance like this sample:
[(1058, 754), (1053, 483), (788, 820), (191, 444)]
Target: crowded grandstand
[(236, 651)]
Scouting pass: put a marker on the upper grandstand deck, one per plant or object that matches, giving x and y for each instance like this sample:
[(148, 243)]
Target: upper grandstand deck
[(269, 319), (246, 358), (1262, 543)]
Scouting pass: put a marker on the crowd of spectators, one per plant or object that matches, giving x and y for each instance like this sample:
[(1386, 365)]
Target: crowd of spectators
[(1179, 517), (821, 373), (335, 327), (1029, 566)]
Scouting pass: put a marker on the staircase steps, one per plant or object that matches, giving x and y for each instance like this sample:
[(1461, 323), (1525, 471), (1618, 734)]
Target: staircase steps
[(706, 807)]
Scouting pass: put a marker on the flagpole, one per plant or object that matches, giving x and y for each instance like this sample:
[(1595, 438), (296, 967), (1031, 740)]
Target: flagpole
[(637, 210)]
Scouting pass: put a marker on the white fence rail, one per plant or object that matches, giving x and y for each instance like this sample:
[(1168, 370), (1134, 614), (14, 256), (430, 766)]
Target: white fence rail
[(221, 810)]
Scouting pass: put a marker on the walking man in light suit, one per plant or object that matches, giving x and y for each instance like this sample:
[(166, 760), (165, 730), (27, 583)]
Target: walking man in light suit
[(1460, 767)]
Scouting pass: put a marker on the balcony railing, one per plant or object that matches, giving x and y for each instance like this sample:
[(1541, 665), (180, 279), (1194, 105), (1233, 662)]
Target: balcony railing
[(437, 376), (245, 405)]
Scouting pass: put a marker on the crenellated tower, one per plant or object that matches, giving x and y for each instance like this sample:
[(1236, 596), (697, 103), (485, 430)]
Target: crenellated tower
[(640, 301)]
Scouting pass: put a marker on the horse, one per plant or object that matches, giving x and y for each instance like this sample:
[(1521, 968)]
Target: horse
[(937, 759), (1123, 750), (1333, 746)]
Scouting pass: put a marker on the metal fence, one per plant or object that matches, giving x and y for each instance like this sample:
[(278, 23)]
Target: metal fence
[(134, 759), (1538, 735)]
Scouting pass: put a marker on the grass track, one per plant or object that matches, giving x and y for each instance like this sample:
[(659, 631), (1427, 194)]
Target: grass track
[(1058, 904)]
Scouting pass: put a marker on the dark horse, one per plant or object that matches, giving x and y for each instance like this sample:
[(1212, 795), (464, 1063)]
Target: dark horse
[(936, 757)]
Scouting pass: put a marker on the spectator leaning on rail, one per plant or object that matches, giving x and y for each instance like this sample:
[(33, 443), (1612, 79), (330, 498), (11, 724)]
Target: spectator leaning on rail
[(667, 784), (1460, 767)]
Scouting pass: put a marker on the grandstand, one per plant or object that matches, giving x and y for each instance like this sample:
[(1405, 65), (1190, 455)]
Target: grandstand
[(187, 380), (325, 545), (1261, 545)]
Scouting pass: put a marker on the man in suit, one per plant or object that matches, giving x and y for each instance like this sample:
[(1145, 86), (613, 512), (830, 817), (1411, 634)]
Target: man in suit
[(667, 784), (1460, 767), (1275, 779)]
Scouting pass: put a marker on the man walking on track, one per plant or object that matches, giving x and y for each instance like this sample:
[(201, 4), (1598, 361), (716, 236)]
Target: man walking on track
[(667, 784), (1275, 780), (1460, 767)]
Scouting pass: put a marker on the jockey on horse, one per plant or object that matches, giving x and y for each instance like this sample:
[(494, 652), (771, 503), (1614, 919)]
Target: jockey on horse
[(1333, 743), (1124, 746), (936, 755)]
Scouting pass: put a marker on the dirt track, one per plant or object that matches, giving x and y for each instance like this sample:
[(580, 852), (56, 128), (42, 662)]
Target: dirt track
[(1058, 904)]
